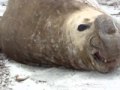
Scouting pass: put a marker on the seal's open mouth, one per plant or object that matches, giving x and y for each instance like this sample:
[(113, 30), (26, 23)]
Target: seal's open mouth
[(99, 58), (102, 64)]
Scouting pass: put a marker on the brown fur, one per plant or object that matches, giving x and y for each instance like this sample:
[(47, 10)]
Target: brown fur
[(45, 32), (31, 26)]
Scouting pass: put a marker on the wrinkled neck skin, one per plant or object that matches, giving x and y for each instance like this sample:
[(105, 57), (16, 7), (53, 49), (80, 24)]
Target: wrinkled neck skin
[(99, 46)]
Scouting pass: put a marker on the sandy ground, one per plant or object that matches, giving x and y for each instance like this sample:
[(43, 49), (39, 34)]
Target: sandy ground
[(16, 76)]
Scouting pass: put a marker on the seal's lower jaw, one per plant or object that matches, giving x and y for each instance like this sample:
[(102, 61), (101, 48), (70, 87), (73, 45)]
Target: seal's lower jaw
[(103, 65)]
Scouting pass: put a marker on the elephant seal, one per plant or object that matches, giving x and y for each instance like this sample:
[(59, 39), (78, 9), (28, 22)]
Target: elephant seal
[(70, 33)]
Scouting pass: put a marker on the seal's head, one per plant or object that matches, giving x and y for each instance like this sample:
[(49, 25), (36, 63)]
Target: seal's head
[(104, 45), (97, 36)]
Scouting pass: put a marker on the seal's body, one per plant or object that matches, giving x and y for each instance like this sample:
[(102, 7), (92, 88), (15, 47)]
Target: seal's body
[(60, 32)]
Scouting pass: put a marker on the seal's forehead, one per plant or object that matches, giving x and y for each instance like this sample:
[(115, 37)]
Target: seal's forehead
[(88, 13)]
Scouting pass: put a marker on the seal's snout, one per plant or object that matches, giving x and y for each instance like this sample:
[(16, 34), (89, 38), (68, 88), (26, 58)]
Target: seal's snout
[(108, 31), (105, 25), (105, 43)]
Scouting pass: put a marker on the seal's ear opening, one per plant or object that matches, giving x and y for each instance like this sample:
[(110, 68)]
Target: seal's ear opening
[(83, 27)]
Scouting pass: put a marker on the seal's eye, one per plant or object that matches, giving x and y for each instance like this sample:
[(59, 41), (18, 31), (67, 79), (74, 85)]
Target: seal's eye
[(83, 27)]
